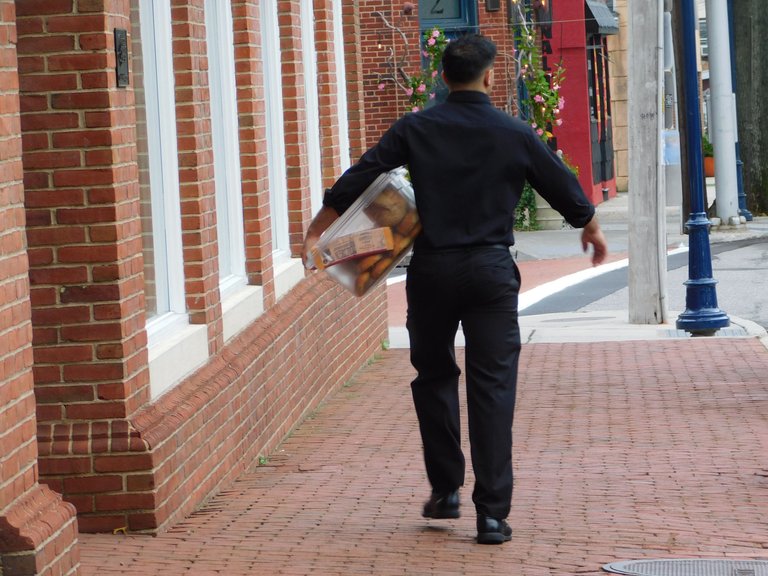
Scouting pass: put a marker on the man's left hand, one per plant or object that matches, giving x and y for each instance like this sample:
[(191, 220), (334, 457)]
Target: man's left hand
[(592, 234)]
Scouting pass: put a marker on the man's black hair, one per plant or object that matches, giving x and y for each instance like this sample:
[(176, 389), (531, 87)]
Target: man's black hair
[(467, 58)]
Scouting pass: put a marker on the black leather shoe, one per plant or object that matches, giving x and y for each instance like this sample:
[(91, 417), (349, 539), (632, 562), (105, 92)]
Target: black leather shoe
[(492, 531), (442, 505)]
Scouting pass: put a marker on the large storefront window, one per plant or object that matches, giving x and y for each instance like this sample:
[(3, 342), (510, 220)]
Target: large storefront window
[(226, 149), (278, 188), (157, 160), (341, 83)]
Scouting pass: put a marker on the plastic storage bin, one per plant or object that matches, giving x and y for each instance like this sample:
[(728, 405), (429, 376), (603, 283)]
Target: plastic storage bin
[(366, 242)]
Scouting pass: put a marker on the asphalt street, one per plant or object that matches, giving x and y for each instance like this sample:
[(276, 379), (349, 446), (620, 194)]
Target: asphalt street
[(740, 268)]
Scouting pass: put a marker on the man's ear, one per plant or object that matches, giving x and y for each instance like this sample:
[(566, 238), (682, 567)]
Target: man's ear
[(488, 78)]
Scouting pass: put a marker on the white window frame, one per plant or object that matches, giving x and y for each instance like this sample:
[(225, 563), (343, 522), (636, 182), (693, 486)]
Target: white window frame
[(311, 105), (175, 348), (226, 151), (275, 128), (341, 84), (162, 152)]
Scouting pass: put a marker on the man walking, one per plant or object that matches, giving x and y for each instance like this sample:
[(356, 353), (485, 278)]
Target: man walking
[(468, 163)]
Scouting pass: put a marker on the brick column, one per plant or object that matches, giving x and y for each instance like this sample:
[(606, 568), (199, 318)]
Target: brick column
[(249, 73), (38, 531), (197, 191), (327, 91), (354, 66), (294, 121), (84, 236)]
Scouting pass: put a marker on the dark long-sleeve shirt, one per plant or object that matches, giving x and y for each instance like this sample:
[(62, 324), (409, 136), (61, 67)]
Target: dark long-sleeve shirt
[(468, 162)]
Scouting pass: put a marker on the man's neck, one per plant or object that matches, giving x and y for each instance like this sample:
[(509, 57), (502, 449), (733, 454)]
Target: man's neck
[(474, 87)]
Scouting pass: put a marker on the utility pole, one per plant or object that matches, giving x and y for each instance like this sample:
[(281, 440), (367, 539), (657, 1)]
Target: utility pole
[(723, 121), (647, 205)]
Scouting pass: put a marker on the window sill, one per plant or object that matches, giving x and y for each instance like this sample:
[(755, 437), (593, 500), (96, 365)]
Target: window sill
[(175, 350), (240, 308), (287, 275)]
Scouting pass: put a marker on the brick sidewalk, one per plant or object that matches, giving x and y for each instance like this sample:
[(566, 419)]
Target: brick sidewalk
[(623, 450)]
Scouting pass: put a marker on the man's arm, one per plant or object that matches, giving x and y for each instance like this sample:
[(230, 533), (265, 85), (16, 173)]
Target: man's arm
[(592, 234), (320, 223)]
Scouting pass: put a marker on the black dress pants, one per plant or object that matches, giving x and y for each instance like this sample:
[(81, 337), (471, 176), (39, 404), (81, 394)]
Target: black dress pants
[(478, 287)]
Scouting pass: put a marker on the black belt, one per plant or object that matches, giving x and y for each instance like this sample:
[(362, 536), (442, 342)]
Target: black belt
[(462, 248)]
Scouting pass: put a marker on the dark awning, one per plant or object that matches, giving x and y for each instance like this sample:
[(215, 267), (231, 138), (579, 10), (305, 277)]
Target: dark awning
[(600, 19)]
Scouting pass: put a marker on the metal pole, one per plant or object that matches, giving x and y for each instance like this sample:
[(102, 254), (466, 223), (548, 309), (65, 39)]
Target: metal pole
[(702, 317), (723, 121), (743, 210)]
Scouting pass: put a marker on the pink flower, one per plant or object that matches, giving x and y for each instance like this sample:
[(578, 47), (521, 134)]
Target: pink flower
[(381, 86), (431, 41), (561, 103), (540, 132), (435, 33), (409, 91), (556, 87), (538, 98), (559, 121), (421, 88), (425, 53), (415, 109), (434, 73), (556, 111), (534, 125)]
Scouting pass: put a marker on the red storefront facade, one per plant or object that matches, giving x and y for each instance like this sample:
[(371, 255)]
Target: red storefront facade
[(577, 39)]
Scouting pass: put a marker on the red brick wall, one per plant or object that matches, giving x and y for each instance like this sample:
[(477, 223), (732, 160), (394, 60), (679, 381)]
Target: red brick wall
[(382, 107), (217, 423), (124, 460), (38, 531)]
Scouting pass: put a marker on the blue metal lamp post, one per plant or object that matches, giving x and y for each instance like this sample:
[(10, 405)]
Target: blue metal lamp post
[(702, 317), (743, 210)]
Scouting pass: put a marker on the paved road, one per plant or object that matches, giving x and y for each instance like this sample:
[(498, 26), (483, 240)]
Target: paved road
[(740, 268)]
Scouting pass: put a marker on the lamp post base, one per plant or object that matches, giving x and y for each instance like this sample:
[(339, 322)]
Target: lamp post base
[(702, 317), (703, 322)]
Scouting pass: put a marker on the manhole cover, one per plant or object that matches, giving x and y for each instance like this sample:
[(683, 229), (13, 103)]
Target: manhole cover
[(690, 567)]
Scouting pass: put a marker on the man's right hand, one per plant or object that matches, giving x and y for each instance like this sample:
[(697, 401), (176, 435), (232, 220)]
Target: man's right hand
[(322, 220)]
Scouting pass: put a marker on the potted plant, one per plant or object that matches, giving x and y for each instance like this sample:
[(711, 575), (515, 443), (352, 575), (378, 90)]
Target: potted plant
[(709, 156)]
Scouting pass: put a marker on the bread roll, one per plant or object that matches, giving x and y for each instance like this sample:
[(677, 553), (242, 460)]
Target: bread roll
[(381, 268), (362, 283), (388, 208), (405, 225), (366, 263)]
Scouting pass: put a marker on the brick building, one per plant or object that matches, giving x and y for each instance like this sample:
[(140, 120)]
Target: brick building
[(159, 164)]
